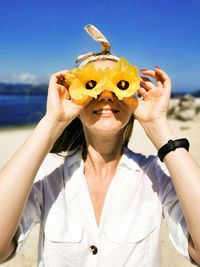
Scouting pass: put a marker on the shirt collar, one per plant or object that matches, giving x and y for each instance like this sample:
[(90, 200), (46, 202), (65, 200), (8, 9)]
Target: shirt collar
[(129, 159), (72, 157)]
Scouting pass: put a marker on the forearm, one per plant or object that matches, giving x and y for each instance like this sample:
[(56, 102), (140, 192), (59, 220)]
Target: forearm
[(185, 174), (17, 176), (159, 132)]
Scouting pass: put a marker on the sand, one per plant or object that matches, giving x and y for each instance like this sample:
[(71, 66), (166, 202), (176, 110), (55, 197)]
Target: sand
[(11, 140)]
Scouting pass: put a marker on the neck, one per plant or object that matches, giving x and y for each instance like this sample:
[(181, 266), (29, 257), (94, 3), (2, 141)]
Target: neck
[(103, 153)]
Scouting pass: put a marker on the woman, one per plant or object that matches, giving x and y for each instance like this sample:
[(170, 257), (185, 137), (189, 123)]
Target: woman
[(102, 207)]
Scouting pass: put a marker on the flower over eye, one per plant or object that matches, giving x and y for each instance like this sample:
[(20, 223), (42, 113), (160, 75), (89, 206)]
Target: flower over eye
[(85, 82), (123, 79)]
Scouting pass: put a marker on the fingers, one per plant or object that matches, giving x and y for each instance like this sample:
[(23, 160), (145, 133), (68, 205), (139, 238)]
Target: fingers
[(58, 89), (162, 79), (63, 92), (150, 73), (145, 86), (61, 78), (146, 83), (142, 91), (57, 78)]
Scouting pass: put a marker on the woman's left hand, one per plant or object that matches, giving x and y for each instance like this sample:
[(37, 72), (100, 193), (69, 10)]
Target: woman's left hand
[(156, 97)]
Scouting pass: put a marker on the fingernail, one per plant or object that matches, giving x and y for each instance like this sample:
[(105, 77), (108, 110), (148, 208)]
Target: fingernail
[(143, 70), (157, 67)]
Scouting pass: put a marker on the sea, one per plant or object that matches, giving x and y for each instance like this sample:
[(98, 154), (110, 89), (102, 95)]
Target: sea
[(17, 110), (26, 109)]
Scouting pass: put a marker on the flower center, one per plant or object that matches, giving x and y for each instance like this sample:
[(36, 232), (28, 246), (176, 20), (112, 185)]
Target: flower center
[(91, 84), (123, 85)]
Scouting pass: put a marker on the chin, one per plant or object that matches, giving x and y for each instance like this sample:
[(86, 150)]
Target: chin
[(108, 126)]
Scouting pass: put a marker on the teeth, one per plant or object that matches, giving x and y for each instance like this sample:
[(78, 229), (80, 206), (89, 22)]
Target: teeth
[(104, 111)]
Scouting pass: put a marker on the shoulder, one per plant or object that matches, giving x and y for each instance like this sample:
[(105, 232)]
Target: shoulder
[(151, 164), (138, 159), (53, 163)]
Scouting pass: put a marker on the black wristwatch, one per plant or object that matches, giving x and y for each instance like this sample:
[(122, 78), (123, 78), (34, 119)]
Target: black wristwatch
[(171, 146)]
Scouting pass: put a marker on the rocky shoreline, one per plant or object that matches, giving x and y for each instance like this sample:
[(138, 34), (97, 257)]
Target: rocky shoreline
[(184, 108)]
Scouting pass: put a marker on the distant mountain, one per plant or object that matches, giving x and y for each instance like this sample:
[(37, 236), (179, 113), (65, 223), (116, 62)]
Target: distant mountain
[(197, 93), (20, 88), (179, 94), (41, 89)]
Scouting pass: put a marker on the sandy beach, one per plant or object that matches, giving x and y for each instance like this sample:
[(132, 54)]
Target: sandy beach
[(12, 139)]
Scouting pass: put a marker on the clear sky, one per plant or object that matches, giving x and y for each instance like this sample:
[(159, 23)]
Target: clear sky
[(40, 37)]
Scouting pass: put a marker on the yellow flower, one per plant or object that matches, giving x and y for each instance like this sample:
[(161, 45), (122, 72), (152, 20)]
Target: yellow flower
[(85, 82), (123, 79)]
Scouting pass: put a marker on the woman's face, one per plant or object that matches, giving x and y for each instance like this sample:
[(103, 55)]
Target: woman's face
[(106, 114)]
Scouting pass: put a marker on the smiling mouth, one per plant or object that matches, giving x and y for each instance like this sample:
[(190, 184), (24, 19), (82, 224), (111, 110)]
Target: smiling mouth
[(105, 111)]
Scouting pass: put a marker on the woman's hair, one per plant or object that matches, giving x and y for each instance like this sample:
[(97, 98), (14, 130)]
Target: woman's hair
[(73, 138)]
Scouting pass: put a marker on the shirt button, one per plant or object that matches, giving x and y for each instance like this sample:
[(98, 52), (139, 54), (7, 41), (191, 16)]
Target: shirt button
[(93, 249)]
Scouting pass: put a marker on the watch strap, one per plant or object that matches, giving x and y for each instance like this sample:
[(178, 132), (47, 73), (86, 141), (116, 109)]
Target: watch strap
[(171, 146)]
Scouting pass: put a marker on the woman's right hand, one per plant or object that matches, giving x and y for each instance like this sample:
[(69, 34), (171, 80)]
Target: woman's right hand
[(60, 108)]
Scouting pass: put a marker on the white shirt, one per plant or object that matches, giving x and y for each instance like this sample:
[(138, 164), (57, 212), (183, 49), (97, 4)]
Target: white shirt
[(128, 234)]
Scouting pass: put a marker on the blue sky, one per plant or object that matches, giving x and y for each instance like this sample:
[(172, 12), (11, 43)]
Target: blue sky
[(38, 38)]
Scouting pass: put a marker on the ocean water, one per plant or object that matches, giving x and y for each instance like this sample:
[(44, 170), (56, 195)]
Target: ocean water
[(21, 109)]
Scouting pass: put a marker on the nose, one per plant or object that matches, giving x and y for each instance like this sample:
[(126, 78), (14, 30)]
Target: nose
[(106, 96)]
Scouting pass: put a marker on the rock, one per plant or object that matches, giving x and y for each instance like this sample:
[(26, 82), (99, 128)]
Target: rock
[(186, 115), (186, 102), (197, 109), (183, 108), (185, 128)]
